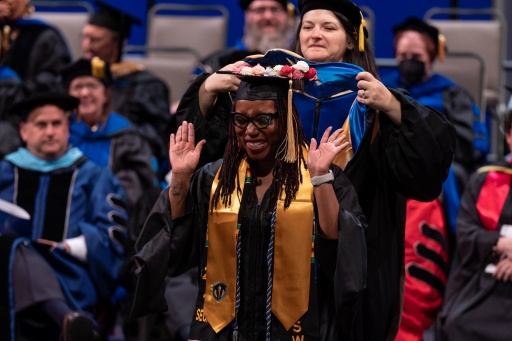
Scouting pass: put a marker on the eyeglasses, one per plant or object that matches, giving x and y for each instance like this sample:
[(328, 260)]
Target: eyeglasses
[(91, 86), (260, 121), (262, 10)]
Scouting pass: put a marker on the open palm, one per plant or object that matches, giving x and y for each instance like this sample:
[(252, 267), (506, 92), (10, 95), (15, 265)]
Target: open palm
[(321, 155), (183, 153)]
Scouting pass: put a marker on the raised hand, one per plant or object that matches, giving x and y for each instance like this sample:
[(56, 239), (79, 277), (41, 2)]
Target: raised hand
[(183, 152), (321, 155)]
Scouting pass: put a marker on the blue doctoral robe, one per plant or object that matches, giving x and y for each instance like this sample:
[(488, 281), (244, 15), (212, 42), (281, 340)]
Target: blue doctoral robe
[(116, 144), (65, 198), (442, 94)]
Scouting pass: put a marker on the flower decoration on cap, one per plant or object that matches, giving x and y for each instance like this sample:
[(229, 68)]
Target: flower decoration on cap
[(298, 71)]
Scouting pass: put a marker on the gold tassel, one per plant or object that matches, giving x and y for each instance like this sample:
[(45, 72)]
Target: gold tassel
[(290, 9), (441, 52), (97, 68), (6, 38), (291, 150), (361, 33)]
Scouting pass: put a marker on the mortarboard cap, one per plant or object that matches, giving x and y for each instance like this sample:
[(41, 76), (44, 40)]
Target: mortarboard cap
[(271, 81), (418, 25), (26, 106), (257, 88), (94, 67), (115, 16), (345, 7)]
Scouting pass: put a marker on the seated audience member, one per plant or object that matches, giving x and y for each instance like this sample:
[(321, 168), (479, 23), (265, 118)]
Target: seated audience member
[(34, 49), (67, 257), (105, 137), (269, 24), (417, 46), (137, 94), (478, 298)]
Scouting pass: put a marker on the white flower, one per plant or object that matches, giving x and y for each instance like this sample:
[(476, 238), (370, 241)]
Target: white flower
[(277, 68), (270, 71), (302, 66), (246, 70)]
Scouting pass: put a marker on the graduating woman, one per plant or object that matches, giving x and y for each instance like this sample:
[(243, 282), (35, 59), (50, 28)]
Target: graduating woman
[(274, 228)]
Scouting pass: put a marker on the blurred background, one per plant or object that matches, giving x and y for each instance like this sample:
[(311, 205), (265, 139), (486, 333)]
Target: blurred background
[(174, 35)]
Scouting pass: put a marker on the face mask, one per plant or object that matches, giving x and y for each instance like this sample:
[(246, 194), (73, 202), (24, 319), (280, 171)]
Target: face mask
[(411, 71)]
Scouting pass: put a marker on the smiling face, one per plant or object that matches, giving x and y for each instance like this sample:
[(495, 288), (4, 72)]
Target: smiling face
[(260, 144), (46, 132), (322, 37), (93, 96)]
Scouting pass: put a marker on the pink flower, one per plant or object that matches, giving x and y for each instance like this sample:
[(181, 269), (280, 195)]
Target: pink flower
[(258, 70), (297, 74), (237, 69)]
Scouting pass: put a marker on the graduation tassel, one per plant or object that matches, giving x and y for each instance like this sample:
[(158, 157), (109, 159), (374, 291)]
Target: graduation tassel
[(441, 51), (97, 68), (6, 38), (361, 33), (291, 150)]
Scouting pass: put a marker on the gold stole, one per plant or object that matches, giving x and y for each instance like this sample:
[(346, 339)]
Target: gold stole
[(292, 257)]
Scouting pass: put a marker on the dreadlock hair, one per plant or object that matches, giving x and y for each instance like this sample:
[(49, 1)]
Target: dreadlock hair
[(287, 176)]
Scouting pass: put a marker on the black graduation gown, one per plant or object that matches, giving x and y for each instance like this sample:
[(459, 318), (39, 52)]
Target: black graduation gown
[(11, 91), (172, 247), (407, 161), (38, 54), (476, 305), (143, 98), (214, 129), (219, 59)]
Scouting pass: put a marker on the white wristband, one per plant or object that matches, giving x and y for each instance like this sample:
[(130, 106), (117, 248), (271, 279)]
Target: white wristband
[(320, 179)]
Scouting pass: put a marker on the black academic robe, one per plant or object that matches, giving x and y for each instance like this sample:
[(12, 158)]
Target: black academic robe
[(407, 161), (219, 59), (476, 305), (12, 90), (214, 129), (171, 247), (38, 54), (143, 98)]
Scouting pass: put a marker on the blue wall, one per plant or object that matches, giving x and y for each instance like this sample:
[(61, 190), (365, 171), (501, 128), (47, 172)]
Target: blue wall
[(387, 13)]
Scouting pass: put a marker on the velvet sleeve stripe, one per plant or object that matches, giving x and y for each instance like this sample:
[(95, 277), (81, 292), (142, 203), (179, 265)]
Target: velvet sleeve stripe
[(432, 256), (425, 276), (434, 234)]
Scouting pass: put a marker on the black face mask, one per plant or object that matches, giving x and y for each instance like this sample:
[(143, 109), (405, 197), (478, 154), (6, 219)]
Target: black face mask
[(411, 71)]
